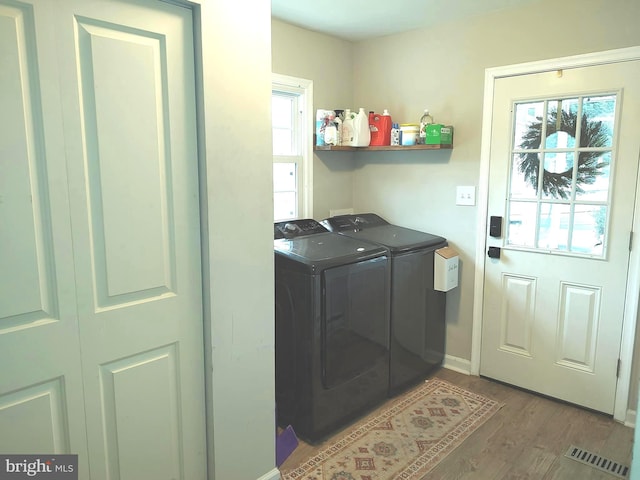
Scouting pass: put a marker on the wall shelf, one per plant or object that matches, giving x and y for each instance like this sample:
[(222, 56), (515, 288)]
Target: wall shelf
[(387, 148)]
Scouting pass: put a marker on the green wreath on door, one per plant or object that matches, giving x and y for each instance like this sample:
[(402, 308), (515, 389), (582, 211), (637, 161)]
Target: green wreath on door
[(558, 184)]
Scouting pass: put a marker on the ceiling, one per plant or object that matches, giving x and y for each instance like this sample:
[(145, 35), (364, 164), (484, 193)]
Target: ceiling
[(357, 20)]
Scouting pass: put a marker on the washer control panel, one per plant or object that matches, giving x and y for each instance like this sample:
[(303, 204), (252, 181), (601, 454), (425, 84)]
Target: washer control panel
[(297, 228)]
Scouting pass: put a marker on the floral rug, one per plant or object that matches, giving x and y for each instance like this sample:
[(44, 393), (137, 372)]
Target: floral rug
[(404, 441)]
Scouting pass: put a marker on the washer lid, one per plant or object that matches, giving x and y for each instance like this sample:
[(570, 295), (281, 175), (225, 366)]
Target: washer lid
[(398, 239), (353, 222), (323, 250), (373, 228)]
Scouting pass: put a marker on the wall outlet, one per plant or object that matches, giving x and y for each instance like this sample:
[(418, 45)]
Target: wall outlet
[(466, 195)]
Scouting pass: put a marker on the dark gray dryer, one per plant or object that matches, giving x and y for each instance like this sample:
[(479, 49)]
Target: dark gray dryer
[(332, 327), (417, 309)]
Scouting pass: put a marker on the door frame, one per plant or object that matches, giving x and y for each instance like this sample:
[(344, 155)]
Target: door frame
[(622, 412)]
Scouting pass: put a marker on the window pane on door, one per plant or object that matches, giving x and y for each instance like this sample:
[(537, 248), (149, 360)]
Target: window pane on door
[(561, 127), (588, 229), (558, 175), (554, 226), (522, 224), (599, 116), (559, 186), (522, 184), (525, 115), (596, 187)]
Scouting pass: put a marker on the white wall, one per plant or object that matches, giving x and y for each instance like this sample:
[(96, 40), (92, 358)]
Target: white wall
[(238, 258)]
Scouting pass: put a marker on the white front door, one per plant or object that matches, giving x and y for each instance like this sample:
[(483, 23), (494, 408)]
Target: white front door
[(564, 160), (101, 308)]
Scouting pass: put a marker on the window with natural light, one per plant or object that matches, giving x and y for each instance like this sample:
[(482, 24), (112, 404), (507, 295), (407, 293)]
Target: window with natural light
[(290, 110), (560, 174)]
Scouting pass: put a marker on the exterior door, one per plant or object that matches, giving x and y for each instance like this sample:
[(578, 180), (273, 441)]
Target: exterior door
[(564, 160), (101, 309)]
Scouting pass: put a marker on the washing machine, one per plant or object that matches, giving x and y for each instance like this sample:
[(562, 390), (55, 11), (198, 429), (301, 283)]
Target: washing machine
[(332, 327), (417, 310)]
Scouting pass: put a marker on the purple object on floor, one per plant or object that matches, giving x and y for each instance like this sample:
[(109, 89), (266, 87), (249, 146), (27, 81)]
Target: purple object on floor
[(286, 443)]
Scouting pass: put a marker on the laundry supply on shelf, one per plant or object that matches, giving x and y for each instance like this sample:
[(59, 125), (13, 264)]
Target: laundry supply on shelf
[(380, 126)]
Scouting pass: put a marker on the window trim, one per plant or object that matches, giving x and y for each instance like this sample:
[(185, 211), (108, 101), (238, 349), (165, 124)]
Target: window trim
[(288, 83)]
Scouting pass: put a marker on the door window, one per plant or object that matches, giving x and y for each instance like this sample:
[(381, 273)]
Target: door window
[(561, 159)]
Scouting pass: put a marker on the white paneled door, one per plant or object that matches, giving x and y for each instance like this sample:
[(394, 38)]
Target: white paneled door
[(101, 340), (564, 159)]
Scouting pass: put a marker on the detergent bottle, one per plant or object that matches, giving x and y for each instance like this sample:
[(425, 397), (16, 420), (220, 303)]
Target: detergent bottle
[(348, 128), (380, 126), (361, 131)]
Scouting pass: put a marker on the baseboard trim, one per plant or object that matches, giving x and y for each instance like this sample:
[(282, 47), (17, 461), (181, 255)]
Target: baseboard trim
[(457, 364), (630, 419), (272, 475)]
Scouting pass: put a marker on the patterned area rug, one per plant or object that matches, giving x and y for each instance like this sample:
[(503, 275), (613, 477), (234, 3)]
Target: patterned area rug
[(406, 440)]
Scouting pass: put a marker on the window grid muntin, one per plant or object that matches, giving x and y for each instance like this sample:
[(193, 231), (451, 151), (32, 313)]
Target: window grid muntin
[(541, 152), (295, 154)]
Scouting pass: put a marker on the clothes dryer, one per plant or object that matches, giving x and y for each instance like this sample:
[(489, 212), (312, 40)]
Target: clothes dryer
[(417, 310), (332, 327)]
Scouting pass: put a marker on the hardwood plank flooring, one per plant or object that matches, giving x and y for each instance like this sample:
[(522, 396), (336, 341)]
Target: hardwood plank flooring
[(525, 439)]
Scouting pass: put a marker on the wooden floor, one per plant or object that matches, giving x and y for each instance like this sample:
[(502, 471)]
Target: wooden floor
[(526, 439)]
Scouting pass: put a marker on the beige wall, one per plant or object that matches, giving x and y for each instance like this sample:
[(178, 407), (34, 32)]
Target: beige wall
[(328, 61), (238, 247), (441, 68)]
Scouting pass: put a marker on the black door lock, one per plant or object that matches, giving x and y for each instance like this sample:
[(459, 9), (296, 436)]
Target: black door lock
[(495, 227), (494, 252)]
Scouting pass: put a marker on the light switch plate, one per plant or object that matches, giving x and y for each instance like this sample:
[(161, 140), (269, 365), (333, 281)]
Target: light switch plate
[(466, 195)]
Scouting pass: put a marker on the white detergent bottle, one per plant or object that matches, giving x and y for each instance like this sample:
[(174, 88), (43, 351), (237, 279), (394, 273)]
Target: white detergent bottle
[(348, 128), (361, 130)]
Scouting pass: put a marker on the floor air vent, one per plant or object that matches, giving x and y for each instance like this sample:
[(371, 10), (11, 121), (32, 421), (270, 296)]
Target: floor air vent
[(596, 461)]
